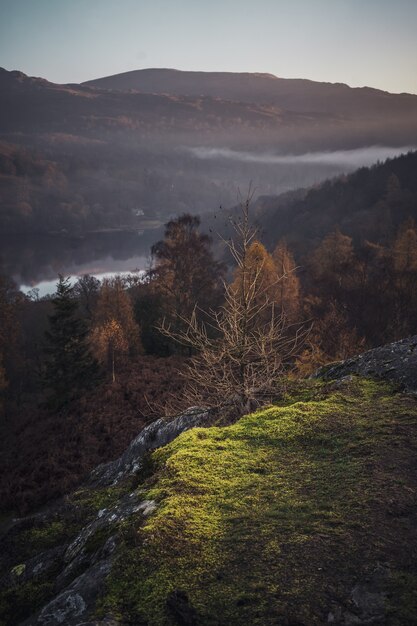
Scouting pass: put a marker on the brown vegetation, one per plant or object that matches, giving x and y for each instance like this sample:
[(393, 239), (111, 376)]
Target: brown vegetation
[(43, 455)]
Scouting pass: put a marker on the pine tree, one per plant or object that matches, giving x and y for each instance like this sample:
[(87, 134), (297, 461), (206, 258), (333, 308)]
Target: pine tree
[(9, 330), (70, 367)]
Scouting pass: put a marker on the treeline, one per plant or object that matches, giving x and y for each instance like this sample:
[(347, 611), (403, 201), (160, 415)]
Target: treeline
[(78, 185), (353, 297), (360, 296), (46, 190)]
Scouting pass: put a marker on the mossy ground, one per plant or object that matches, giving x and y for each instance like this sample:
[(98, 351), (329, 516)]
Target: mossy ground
[(274, 519)]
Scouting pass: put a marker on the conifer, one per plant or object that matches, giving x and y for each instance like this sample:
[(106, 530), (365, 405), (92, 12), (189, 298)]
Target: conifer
[(70, 366)]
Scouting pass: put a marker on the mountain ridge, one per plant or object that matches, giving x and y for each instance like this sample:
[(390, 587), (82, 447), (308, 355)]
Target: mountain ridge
[(76, 143), (291, 93), (261, 75)]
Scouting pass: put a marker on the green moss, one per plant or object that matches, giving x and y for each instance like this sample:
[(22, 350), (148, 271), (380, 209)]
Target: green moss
[(271, 516), (44, 536), (48, 533), (92, 500), (18, 570)]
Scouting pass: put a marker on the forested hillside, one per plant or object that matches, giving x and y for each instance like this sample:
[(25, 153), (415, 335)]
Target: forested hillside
[(369, 204)]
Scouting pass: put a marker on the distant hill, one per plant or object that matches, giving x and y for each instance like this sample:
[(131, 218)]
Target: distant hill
[(36, 105), (302, 96)]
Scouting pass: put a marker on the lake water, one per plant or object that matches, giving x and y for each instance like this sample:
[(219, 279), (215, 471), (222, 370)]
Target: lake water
[(35, 261)]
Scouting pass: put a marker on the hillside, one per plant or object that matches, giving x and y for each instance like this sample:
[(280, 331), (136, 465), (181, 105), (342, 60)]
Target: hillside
[(84, 157), (369, 204), (303, 513)]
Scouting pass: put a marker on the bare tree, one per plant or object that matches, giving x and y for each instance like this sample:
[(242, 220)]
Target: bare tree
[(244, 347)]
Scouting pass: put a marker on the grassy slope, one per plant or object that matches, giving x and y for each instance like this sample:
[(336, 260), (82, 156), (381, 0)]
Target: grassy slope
[(275, 518)]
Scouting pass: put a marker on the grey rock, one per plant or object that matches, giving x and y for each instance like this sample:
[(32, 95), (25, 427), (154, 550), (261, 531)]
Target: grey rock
[(157, 434), (105, 519), (73, 605), (395, 362), (63, 609), (76, 594), (368, 602)]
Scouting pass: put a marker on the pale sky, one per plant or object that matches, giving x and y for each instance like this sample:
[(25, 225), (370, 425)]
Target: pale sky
[(358, 42)]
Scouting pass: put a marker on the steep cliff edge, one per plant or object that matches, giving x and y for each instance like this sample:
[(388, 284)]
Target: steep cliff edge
[(303, 513)]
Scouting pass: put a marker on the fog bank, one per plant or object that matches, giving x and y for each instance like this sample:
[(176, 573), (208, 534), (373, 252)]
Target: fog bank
[(351, 158)]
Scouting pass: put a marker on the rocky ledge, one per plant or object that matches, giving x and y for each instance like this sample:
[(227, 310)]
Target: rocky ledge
[(395, 362), (157, 434)]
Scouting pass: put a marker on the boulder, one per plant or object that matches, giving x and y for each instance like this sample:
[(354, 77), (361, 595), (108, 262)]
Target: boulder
[(395, 362)]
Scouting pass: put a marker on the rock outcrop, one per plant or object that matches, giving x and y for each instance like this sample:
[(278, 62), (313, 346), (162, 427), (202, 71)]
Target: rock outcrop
[(395, 362), (157, 434)]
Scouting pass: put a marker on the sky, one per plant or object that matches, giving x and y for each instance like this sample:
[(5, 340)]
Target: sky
[(358, 42)]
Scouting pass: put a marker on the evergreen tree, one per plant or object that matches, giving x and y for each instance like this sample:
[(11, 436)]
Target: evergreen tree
[(9, 330), (70, 367)]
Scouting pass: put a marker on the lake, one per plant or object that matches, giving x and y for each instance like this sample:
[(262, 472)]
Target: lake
[(34, 261)]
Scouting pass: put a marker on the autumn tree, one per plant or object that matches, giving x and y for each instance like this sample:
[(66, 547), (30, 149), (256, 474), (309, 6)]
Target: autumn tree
[(86, 289), (403, 254), (334, 264), (331, 337), (288, 290), (114, 329), (70, 366), (335, 303), (108, 340), (257, 267), (242, 363)]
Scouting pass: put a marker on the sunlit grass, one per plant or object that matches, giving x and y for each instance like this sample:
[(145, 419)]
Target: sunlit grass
[(269, 516)]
